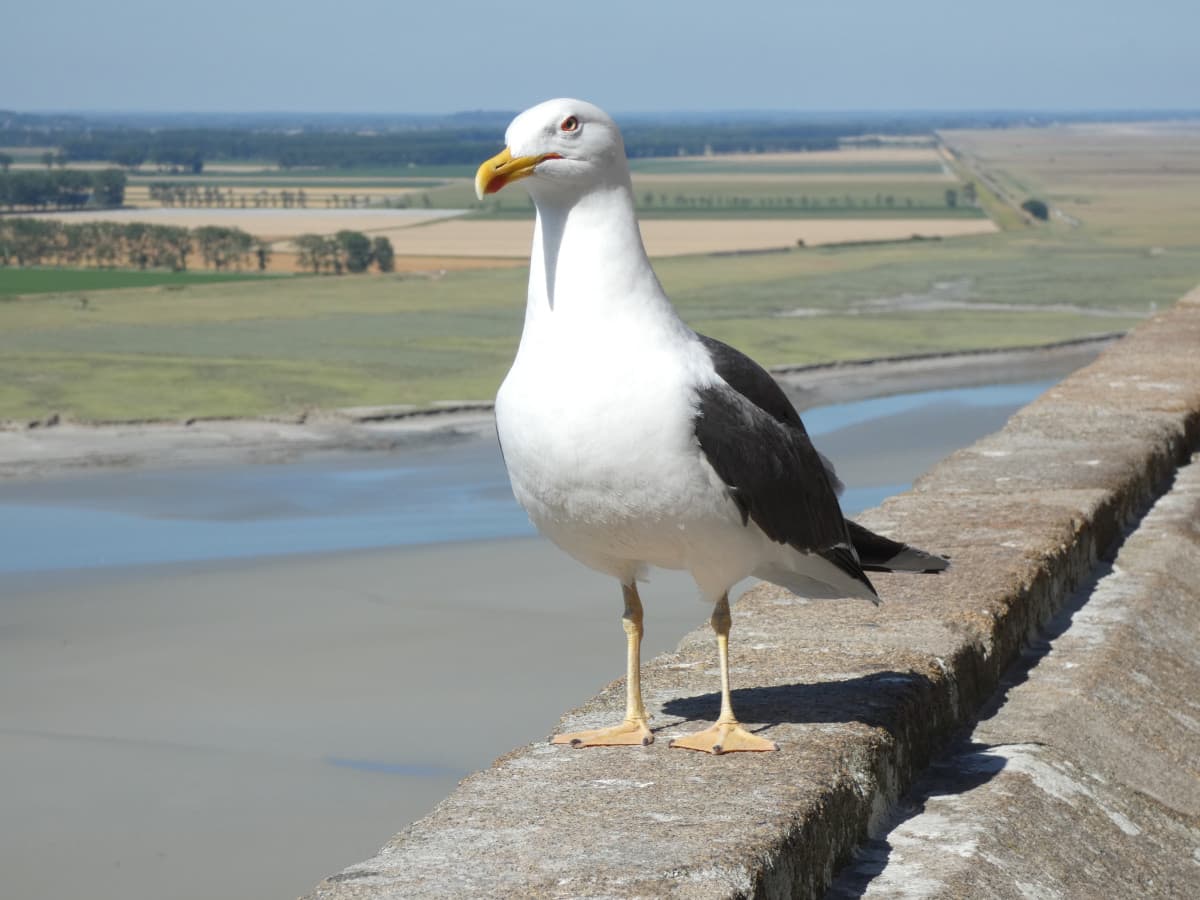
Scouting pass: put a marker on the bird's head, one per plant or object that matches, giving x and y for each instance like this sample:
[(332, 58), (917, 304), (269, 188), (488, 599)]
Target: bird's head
[(562, 146)]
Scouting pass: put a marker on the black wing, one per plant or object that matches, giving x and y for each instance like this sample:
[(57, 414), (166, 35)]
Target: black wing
[(752, 381), (754, 439), (880, 554)]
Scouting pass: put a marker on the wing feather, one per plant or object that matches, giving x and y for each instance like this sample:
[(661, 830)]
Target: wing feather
[(754, 439)]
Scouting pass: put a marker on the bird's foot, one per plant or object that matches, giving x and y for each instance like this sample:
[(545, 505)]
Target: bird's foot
[(724, 737), (630, 733)]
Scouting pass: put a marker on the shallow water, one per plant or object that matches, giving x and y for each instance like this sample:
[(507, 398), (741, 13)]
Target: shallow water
[(193, 718), (455, 492)]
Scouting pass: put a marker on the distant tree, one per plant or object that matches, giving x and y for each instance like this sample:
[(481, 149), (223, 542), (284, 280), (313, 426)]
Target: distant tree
[(173, 243), (331, 255), (48, 159), (105, 241), (72, 188), (354, 250), (262, 252), (73, 248), (223, 247), (32, 241), (137, 244), (108, 186), (951, 197), (383, 254), (129, 156), (1036, 208), (6, 162), (310, 251)]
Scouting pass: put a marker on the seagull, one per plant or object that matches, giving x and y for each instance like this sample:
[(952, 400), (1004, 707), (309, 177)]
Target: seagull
[(633, 442)]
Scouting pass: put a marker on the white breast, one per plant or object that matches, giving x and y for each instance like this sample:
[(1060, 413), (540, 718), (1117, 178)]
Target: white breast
[(598, 438)]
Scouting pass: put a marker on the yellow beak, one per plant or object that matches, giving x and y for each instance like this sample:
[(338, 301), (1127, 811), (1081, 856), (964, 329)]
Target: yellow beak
[(503, 168)]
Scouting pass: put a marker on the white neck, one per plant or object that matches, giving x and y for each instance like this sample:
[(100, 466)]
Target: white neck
[(588, 261)]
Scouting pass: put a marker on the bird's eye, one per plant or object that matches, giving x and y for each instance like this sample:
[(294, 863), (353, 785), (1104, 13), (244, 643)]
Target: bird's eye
[(569, 124)]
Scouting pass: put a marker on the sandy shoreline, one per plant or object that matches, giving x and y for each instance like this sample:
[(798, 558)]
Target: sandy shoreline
[(48, 449)]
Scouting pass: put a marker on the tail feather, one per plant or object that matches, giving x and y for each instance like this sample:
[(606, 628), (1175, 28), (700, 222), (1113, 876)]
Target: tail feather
[(877, 553)]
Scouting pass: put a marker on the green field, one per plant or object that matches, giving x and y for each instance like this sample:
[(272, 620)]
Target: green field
[(715, 165), (267, 346), (1122, 247), (685, 187), (428, 172), (719, 197), (709, 211), (277, 180), (14, 281)]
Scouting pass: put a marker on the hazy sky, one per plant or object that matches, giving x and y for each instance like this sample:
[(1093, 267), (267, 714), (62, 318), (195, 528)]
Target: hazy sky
[(449, 55)]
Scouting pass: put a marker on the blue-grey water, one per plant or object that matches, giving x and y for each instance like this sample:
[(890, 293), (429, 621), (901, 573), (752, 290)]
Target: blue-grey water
[(454, 492), (189, 674)]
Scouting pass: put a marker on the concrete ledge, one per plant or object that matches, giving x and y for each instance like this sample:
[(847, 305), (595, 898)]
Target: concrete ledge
[(1083, 779), (859, 698)]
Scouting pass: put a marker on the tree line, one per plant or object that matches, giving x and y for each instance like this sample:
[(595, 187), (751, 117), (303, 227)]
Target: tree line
[(178, 193), (189, 149), (346, 251), (650, 200), (137, 245), (185, 143), (186, 194), (61, 189), (132, 148)]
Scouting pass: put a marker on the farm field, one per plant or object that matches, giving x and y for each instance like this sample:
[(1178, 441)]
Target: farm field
[(1128, 184), (855, 179), (859, 159), (273, 224), (286, 345), (470, 242), (264, 193), (1123, 239), (688, 205), (681, 237), (14, 281)]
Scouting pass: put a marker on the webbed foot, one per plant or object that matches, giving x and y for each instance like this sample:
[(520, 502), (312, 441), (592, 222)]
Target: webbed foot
[(630, 733), (724, 737)]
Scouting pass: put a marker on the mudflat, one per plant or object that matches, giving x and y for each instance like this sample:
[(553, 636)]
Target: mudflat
[(187, 727)]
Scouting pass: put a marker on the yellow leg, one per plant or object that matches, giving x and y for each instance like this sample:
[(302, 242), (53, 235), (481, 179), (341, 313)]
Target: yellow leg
[(727, 736), (635, 729)]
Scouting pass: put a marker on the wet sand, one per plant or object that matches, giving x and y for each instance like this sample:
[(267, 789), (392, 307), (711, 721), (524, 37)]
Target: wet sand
[(241, 728), (186, 728)]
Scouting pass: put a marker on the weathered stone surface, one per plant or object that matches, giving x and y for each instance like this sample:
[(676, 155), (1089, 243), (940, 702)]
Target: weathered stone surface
[(859, 698), (1083, 780)]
